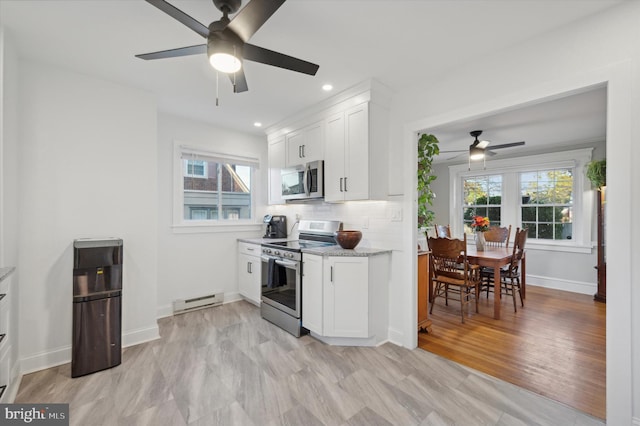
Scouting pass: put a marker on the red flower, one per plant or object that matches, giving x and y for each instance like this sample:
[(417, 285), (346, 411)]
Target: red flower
[(480, 223)]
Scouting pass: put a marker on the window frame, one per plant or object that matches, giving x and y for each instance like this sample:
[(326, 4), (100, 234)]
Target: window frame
[(182, 225), (583, 202)]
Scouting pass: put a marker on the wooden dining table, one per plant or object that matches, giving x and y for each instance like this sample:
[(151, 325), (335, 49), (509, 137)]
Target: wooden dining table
[(496, 258)]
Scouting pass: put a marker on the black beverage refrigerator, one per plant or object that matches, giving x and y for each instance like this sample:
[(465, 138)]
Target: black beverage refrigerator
[(97, 305)]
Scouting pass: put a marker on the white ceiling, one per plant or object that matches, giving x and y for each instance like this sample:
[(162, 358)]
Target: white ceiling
[(400, 43)]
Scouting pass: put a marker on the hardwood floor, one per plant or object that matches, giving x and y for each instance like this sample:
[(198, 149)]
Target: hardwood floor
[(227, 366), (554, 346)]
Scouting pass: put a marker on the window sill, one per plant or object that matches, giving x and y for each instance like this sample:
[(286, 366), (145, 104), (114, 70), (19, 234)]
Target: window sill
[(560, 247), (207, 227)]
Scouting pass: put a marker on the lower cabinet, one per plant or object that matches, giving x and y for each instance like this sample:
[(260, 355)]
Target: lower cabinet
[(312, 303), (249, 272), (346, 297)]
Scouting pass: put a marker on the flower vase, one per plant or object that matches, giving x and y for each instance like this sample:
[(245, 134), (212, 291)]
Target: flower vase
[(480, 242)]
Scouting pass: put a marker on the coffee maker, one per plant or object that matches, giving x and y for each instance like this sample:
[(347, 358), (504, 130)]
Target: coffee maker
[(276, 226)]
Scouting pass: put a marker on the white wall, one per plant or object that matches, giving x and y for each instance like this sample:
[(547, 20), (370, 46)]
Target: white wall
[(196, 264), (87, 168), (603, 48)]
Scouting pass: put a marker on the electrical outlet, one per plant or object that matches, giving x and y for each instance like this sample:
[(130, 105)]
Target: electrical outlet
[(298, 217)]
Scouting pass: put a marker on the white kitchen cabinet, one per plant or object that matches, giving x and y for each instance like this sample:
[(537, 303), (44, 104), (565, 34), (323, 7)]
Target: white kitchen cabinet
[(347, 155), (249, 272), (312, 284), (346, 297), (305, 145), (276, 158)]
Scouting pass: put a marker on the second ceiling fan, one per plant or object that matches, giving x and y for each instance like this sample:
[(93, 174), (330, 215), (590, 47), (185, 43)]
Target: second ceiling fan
[(227, 39), (479, 148)]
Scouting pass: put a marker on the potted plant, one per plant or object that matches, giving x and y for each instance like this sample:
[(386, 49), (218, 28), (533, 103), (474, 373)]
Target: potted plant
[(427, 149), (597, 173)]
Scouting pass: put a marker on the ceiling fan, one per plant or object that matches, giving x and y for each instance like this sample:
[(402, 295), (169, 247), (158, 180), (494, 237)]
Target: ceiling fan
[(478, 149), (227, 45)]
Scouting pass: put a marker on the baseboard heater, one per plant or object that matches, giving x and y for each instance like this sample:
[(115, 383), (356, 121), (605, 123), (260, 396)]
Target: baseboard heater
[(188, 305)]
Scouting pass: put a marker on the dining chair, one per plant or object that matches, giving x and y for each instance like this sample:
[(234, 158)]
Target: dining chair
[(443, 231), (497, 236), (510, 276), (446, 256)]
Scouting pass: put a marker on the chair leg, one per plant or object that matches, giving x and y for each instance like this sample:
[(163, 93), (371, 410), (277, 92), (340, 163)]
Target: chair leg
[(513, 296), (476, 296), (462, 297), (435, 296), (520, 292)]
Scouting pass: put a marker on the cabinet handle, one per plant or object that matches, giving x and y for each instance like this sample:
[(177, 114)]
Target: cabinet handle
[(299, 151), (331, 278), (2, 296), (250, 249), (345, 184), (2, 336), (303, 156), (249, 267), (341, 185)]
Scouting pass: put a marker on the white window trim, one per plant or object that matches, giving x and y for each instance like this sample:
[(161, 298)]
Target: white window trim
[(583, 194), (182, 226)]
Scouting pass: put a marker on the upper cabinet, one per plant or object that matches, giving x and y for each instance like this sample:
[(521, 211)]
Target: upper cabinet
[(350, 132), (347, 152), (305, 145)]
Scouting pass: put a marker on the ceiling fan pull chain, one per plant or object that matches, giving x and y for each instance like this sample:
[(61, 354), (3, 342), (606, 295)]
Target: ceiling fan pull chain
[(217, 90)]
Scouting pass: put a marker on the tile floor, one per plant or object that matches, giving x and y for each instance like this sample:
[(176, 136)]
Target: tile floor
[(227, 366)]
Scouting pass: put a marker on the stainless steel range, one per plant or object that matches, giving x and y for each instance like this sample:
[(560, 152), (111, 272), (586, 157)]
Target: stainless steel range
[(282, 273)]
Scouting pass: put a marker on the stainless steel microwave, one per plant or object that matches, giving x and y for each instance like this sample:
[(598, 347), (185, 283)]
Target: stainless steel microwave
[(303, 182)]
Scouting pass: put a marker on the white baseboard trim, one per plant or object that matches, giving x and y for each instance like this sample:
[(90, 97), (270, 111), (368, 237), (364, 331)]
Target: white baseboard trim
[(232, 296), (62, 355), (396, 337), (561, 284)]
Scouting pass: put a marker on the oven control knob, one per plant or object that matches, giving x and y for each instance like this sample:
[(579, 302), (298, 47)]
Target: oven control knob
[(268, 251), (276, 252), (289, 255)]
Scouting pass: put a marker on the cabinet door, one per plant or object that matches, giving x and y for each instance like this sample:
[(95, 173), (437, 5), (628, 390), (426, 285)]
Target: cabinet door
[(346, 297), (357, 153), (276, 160), (249, 268), (294, 142), (312, 293), (334, 159), (305, 145)]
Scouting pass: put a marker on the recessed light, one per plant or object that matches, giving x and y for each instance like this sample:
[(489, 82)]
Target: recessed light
[(257, 124), (327, 87)]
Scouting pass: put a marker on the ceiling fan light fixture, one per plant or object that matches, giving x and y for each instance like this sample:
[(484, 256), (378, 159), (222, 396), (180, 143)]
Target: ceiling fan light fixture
[(476, 153), (225, 62)]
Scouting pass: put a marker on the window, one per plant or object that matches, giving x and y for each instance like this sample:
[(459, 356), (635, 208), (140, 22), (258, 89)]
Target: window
[(482, 196), (547, 203), (212, 188), (548, 194), (195, 168)]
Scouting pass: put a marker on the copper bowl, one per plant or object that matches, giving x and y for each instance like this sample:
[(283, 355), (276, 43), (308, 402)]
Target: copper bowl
[(348, 239)]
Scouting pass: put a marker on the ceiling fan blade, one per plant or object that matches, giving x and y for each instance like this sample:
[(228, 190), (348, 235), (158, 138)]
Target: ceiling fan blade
[(180, 16), (252, 17), (483, 144), (269, 57), (457, 150), (240, 81), (489, 153), (508, 145), (174, 53)]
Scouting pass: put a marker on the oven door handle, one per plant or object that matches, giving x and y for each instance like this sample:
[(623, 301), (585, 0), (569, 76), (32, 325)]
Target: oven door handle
[(287, 264)]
